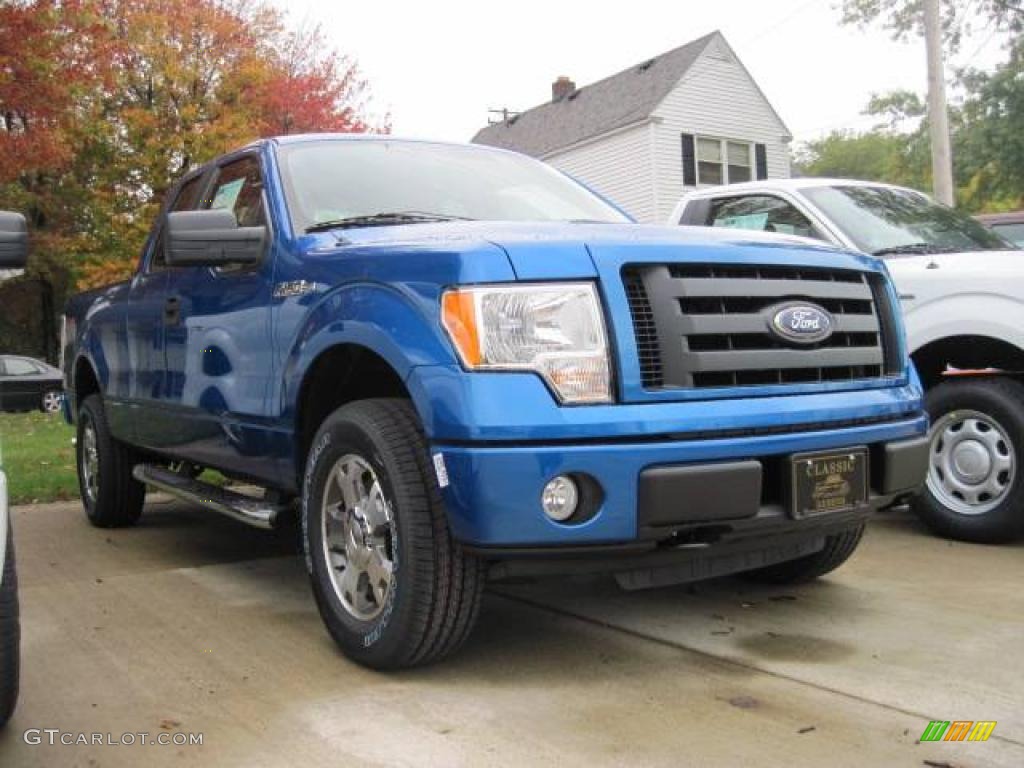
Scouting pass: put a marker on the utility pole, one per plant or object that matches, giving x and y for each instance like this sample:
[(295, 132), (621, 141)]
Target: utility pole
[(938, 117)]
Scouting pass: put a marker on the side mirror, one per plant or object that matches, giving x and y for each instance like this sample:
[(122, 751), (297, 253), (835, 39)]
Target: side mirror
[(13, 240), (211, 239)]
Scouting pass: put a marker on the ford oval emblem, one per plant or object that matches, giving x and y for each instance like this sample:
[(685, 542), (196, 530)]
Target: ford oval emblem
[(800, 322)]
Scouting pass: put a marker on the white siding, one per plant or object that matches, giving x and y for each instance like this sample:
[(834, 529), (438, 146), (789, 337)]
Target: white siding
[(617, 165), (715, 98)]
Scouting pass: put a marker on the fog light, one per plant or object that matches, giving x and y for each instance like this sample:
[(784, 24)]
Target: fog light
[(560, 498)]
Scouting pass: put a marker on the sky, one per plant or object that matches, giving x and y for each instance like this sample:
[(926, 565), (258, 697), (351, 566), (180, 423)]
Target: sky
[(437, 67)]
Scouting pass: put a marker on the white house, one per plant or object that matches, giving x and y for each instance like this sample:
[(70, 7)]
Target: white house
[(690, 117)]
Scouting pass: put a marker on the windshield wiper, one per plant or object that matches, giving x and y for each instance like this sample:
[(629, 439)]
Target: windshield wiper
[(382, 220), (911, 248)]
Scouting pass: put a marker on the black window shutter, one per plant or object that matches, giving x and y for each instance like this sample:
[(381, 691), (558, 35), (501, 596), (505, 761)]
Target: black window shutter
[(761, 161), (689, 161)]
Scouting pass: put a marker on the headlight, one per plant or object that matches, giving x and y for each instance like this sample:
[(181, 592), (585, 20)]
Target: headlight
[(554, 329)]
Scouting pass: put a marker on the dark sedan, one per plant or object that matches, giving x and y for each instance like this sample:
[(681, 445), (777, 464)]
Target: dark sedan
[(27, 384)]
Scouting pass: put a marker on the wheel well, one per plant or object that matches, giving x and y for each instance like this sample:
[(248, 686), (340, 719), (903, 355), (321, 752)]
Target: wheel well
[(85, 382), (340, 375), (965, 352)]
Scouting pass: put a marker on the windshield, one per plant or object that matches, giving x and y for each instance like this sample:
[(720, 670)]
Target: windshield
[(330, 181), (882, 220)]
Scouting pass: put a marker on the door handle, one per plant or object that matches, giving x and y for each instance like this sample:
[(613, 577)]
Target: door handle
[(172, 311)]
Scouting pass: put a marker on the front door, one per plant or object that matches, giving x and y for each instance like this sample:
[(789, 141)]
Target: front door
[(144, 420), (217, 340)]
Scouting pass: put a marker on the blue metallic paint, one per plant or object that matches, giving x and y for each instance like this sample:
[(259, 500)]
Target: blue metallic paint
[(380, 288), (456, 407), (493, 498)]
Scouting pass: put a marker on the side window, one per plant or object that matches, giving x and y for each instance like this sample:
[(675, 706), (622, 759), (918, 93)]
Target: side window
[(186, 200), (239, 188), (764, 213), (18, 367)]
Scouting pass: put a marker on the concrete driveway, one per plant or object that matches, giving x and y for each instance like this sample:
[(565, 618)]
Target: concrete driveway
[(193, 624)]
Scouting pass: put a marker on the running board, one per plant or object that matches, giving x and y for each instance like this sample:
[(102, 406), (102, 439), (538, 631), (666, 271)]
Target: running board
[(259, 513)]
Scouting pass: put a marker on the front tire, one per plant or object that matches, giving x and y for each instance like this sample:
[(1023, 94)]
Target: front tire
[(111, 496), (10, 633), (392, 586), (974, 490), (837, 550)]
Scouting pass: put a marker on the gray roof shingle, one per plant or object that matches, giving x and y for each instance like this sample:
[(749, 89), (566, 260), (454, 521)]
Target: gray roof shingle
[(594, 109)]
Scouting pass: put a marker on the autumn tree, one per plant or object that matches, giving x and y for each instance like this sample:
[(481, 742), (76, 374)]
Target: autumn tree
[(104, 103)]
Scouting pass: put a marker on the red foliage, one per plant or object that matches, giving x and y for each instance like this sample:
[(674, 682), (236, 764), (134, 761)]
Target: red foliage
[(312, 88), (104, 103)]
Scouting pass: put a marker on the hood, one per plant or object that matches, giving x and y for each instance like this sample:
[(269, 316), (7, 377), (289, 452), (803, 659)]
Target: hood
[(961, 262), (568, 250), (936, 279), (989, 271)]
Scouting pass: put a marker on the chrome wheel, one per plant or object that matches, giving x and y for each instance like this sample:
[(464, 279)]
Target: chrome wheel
[(359, 537), (51, 402), (90, 462), (972, 462)]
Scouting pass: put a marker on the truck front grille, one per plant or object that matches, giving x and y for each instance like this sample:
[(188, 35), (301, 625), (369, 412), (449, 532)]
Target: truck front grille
[(707, 325)]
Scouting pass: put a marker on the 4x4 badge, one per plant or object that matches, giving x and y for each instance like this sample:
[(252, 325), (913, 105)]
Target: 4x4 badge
[(293, 288)]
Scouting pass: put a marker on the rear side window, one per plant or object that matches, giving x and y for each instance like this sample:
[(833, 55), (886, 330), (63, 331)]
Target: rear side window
[(239, 188), (17, 367), (764, 213)]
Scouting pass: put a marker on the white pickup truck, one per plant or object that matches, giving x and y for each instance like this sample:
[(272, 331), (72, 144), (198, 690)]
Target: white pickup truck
[(962, 291)]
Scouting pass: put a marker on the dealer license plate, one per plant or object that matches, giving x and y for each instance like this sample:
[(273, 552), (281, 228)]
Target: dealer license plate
[(828, 482)]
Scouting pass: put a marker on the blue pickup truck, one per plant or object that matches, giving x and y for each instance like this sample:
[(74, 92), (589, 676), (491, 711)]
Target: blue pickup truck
[(468, 367)]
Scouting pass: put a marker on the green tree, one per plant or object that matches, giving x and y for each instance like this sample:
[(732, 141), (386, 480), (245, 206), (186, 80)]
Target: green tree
[(989, 139), (870, 156), (905, 18)]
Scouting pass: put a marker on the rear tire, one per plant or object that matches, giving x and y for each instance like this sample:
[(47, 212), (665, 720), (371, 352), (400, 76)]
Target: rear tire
[(111, 496), (837, 550), (392, 586), (975, 485), (10, 633)]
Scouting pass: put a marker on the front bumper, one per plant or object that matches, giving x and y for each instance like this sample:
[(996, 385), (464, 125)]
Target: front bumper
[(493, 491)]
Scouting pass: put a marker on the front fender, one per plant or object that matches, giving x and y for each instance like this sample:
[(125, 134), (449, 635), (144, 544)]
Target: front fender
[(392, 320), (966, 314)]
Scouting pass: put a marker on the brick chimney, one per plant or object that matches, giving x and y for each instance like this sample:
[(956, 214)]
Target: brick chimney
[(561, 88)]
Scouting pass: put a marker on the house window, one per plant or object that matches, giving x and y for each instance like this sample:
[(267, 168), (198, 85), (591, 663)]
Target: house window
[(738, 158), (708, 161), (721, 161)]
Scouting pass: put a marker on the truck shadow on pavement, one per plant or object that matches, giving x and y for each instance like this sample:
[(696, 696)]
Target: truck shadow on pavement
[(728, 615)]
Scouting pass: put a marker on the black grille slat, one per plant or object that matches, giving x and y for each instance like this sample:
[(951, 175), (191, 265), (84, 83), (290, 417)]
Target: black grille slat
[(781, 359), (763, 272), (757, 323), (753, 288), (717, 305), (707, 325), (717, 342)]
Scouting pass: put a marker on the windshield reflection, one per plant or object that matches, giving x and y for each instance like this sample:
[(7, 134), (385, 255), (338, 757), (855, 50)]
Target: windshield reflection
[(886, 221)]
